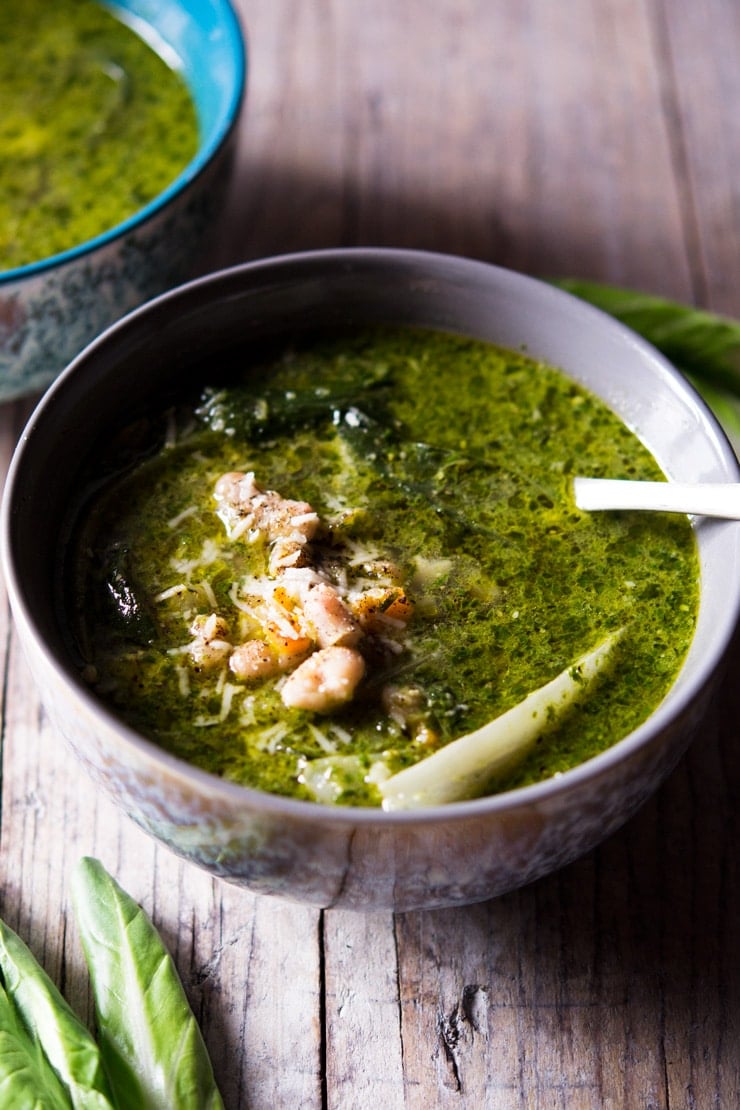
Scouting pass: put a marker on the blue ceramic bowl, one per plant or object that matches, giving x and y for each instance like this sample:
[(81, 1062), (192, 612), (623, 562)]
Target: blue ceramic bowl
[(50, 309), (358, 858)]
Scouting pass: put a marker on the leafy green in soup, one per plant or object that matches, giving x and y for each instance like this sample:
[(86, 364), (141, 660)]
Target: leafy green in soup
[(319, 575), (94, 125)]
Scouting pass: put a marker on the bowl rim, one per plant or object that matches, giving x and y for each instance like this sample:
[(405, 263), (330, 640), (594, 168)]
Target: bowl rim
[(202, 158), (256, 801)]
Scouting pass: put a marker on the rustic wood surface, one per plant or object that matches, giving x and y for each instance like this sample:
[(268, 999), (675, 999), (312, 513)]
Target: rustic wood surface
[(592, 138)]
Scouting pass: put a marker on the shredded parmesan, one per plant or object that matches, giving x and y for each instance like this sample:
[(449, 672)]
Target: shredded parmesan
[(247, 717), (244, 524), (322, 740), (342, 735), (304, 518), (183, 680), (173, 591), (378, 772), (270, 739), (303, 577), (210, 552), (207, 589), (229, 692), (360, 554), (288, 560), (176, 521)]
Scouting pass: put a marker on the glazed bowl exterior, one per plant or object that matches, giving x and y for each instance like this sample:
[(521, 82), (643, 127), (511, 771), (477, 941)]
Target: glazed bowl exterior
[(327, 856), (50, 309)]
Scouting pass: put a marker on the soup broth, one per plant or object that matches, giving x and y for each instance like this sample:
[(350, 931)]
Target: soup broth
[(397, 503), (94, 125)]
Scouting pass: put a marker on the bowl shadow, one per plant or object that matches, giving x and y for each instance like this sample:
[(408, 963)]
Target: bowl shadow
[(278, 209)]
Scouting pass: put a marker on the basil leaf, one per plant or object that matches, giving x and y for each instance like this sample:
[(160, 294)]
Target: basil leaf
[(150, 1041), (60, 1042), (252, 416), (423, 471), (123, 599), (703, 345), (26, 1076)]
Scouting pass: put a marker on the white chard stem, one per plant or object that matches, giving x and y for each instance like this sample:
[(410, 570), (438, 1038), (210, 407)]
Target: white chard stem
[(466, 767)]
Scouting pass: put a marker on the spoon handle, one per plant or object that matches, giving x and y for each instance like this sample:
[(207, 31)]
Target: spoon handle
[(700, 499)]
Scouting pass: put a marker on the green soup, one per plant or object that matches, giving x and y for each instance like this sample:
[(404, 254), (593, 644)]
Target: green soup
[(94, 125), (432, 475)]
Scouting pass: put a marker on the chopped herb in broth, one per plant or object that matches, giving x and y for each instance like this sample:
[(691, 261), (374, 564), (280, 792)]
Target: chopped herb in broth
[(94, 125), (367, 548)]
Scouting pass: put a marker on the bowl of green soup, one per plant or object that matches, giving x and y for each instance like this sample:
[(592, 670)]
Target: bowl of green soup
[(118, 130), (308, 593)]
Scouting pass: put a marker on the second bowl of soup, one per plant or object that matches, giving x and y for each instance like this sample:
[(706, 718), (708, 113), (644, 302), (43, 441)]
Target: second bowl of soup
[(118, 130)]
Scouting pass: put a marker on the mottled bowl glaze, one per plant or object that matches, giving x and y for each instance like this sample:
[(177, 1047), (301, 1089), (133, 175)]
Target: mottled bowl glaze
[(362, 859), (50, 309)]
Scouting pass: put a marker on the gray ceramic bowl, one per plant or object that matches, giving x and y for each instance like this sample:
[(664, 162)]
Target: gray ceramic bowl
[(51, 308), (365, 858)]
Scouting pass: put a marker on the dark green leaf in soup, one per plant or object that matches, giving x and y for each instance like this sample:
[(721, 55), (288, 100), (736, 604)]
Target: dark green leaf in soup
[(355, 406), (126, 605), (251, 414), (410, 492)]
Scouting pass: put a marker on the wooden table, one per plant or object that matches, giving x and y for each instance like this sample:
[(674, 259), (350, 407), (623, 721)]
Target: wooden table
[(592, 138)]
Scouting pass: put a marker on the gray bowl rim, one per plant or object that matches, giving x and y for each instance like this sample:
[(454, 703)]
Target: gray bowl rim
[(196, 167), (276, 805)]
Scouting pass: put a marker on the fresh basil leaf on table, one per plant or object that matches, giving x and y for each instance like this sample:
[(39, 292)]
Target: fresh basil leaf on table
[(149, 1039), (703, 345), (47, 1055), (26, 1076)]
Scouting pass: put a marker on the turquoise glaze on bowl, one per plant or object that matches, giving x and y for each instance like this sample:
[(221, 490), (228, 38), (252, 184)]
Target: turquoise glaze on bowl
[(50, 309)]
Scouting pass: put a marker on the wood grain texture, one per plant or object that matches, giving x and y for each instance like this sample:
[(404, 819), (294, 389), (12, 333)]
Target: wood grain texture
[(597, 138)]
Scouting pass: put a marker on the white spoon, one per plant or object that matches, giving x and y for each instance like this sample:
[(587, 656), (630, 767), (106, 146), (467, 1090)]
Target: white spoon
[(720, 499)]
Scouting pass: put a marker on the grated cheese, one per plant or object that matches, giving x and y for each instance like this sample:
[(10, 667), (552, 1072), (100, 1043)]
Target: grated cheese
[(322, 740), (270, 739), (176, 521), (183, 680), (247, 716), (304, 518), (210, 552), (207, 589), (230, 691), (244, 524), (342, 735), (173, 591)]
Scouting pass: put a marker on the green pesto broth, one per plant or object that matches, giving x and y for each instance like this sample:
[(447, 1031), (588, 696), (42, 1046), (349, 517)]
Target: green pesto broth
[(94, 125), (440, 469)]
